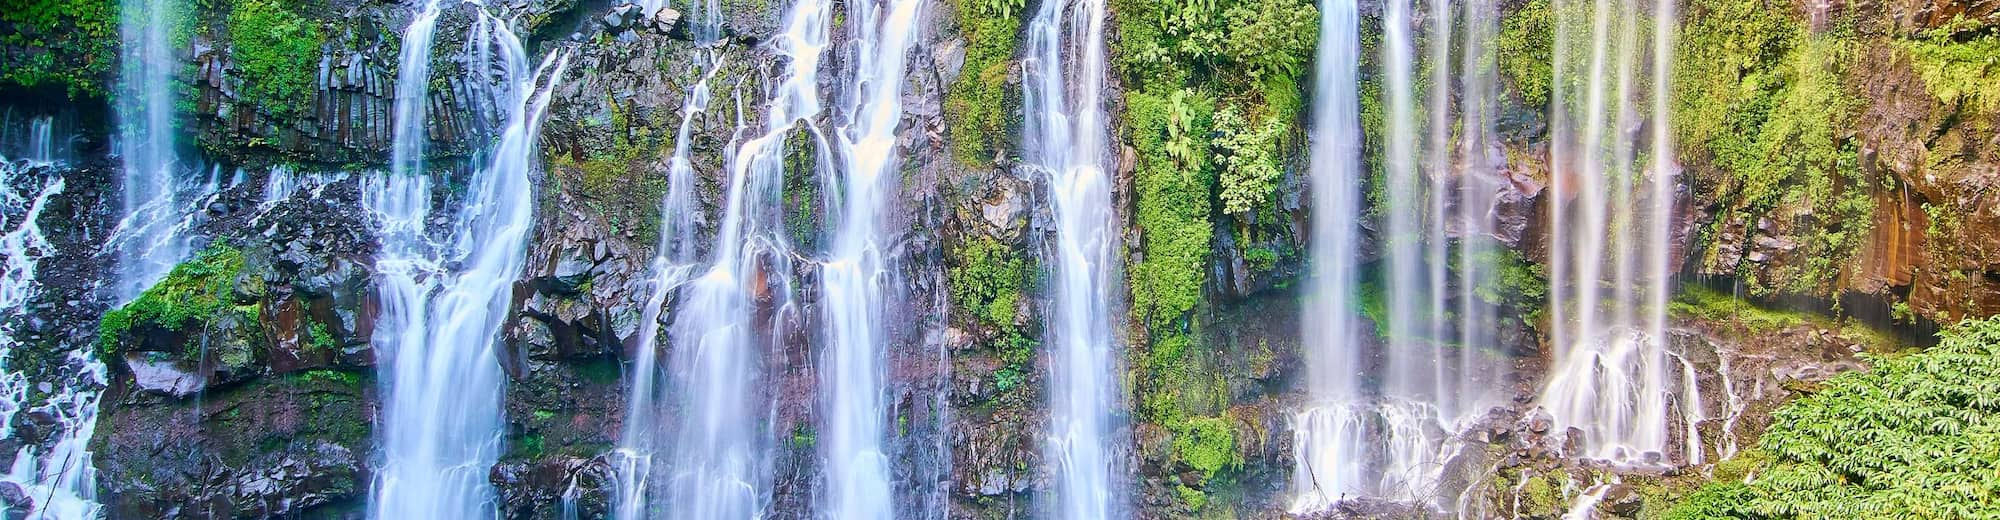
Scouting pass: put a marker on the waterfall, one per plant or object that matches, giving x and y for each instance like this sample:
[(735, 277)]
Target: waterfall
[(443, 302), (149, 239), (720, 469), (413, 76), (1066, 139), (1612, 212), (854, 275), (673, 260), (1328, 436), (57, 474)]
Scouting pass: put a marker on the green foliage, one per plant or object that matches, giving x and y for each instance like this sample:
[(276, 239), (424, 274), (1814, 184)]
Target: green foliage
[(320, 337), (78, 39), (1261, 259), (1718, 307), (1760, 103), (986, 279), (1173, 201), (1525, 48), (195, 294), (976, 104), (277, 52), (1271, 38), (1208, 444), (1917, 436), (331, 378), (1510, 279), (616, 184), (1249, 157), (1721, 500), (1958, 71)]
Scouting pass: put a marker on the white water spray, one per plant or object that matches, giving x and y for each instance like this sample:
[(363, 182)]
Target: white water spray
[(443, 302), (1611, 373), (1067, 134), (1328, 436), (854, 275)]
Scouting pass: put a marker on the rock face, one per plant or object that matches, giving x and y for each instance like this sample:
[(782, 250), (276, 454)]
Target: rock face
[(267, 409)]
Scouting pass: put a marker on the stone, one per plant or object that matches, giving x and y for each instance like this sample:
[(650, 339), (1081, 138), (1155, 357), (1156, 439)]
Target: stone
[(666, 20), (1622, 500), (153, 373)]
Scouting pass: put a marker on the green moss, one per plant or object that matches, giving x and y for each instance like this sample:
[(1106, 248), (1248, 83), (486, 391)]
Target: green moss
[(320, 337), (1208, 444), (78, 39), (1541, 493), (277, 52), (986, 280), (615, 183), (1760, 104), (1959, 72), (330, 378), (194, 295), (1714, 306), (1172, 185), (977, 103), (1525, 48)]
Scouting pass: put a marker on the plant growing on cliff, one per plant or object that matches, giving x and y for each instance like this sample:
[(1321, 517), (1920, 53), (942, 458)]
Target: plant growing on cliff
[(1959, 71), (77, 40), (277, 52), (1917, 436), (195, 294), (976, 104)]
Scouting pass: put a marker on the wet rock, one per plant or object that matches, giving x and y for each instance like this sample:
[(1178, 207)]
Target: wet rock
[(18, 503), (154, 372), (1622, 500)]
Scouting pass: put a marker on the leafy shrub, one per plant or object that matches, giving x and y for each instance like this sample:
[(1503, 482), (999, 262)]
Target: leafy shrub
[(1917, 436), (277, 51), (1525, 47), (78, 37)]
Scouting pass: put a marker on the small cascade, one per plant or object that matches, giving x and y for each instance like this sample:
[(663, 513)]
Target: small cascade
[(443, 301), (57, 473), (720, 468), (148, 241), (1328, 435), (282, 183), (406, 150), (857, 269), (673, 260), (1066, 133), (1613, 376), (1585, 507)]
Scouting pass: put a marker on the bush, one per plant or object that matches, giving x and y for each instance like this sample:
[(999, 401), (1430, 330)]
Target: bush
[(1917, 436), (79, 39), (277, 53)]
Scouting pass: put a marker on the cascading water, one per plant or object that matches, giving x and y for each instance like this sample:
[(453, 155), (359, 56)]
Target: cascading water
[(443, 302), (1328, 436), (672, 262), (1440, 369), (58, 473), (149, 238), (720, 469), (1611, 373), (1066, 135), (857, 269)]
